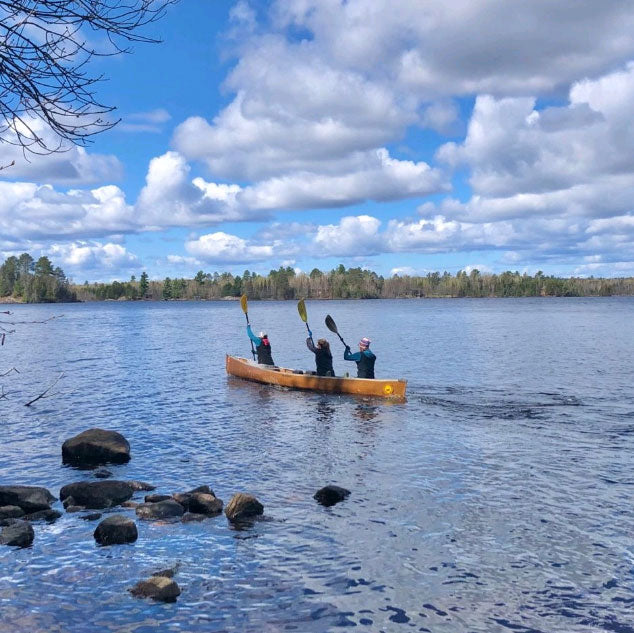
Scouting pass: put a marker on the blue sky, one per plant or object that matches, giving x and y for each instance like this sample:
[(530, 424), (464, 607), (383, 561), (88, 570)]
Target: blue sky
[(476, 133)]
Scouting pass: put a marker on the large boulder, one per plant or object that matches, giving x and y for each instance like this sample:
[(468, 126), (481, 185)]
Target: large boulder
[(29, 498), (19, 534), (97, 494), (243, 506), (158, 588), (115, 530), (161, 510), (184, 498), (329, 495), (96, 446)]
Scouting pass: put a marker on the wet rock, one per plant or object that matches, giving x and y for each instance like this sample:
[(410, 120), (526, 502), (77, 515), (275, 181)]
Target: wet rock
[(96, 446), (160, 510), (204, 489), (92, 516), (190, 517), (138, 486), (116, 530), (29, 498), (154, 498), (73, 508), (167, 573), (329, 495), (69, 501), (202, 503), (97, 494), (243, 506), (102, 473), (11, 512), (185, 497), (18, 534), (44, 515), (130, 504), (158, 588)]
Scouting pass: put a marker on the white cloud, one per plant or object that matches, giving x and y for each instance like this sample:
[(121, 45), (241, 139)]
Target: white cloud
[(223, 248), (352, 236), (151, 121), (93, 256)]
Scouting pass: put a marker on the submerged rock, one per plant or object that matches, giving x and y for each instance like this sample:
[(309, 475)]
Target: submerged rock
[(141, 486), (160, 510), (190, 517), (96, 446), (329, 495), (18, 534), (92, 516), (102, 473), (29, 498), (243, 506), (97, 494), (154, 498), (11, 512), (115, 530), (44, 515), (158, 588)]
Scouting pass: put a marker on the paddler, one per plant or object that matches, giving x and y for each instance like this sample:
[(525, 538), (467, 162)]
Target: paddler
[(323, 355), (262, 346), (364, 358)]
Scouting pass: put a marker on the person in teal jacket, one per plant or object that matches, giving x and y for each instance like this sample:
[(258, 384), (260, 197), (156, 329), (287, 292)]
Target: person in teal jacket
[(262, 346), (364, 358)]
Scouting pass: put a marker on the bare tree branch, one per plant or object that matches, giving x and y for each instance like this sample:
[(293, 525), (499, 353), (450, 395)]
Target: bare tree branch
[(57, 316), (44, 53), (45, 392), (6, 373)]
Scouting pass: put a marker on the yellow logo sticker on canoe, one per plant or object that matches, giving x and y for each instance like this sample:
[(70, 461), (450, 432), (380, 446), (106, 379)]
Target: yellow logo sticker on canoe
[(388, 389)]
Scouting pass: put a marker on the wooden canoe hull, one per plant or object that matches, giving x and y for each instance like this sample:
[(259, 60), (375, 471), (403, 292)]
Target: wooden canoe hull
[(250, 370)]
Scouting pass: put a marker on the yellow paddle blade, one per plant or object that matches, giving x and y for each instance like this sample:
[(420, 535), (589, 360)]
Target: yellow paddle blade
[(301, 308), (243, 303)]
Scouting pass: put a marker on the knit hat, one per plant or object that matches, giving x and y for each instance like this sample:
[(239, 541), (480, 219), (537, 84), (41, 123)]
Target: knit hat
[(263, 335), (365, 342)]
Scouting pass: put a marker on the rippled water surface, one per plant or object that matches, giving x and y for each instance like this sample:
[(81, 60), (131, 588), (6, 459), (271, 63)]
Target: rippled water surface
[(499, 497)]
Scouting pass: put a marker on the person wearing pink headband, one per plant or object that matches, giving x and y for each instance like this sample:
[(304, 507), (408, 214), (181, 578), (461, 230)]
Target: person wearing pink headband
[(364, 358)]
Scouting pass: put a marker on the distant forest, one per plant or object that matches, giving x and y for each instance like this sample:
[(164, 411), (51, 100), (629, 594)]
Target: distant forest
[(26, 280)]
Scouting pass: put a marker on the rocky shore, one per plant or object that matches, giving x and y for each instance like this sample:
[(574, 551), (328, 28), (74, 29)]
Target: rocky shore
[(20, 505)]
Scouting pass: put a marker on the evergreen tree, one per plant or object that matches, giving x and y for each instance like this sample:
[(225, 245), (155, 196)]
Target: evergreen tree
[(143, 284)]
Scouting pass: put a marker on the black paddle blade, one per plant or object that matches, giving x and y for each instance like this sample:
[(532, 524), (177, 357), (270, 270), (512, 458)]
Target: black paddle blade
[(330, 324)]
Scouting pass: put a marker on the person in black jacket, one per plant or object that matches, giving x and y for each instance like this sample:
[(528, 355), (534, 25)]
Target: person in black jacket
[(323, 356), (262, 346)]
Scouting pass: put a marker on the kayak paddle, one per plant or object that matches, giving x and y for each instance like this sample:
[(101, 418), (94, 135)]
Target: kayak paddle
[(301, 308), (243, 303), (332, 326)]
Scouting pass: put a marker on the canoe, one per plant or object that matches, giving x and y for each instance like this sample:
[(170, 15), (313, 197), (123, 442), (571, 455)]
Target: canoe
[(298, 379)]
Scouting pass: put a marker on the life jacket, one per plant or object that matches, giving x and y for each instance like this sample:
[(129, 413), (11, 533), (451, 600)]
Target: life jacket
[(264, 352), (323, 359), (365, 366)]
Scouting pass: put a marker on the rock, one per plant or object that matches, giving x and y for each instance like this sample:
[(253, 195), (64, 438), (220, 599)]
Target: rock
[(156, 498), (115, 530), (97, 494), (189, 517), (157, 588), (44, 515), (243, 506), (29, 498), (141, 486), (167, 573), (18, 534), (130, 504), (160, 510), (92, 516), (96, 446), (75, 509), (204, 489), (202, 503), (185, 497), (11, 512), (329, 495), (102, 473)]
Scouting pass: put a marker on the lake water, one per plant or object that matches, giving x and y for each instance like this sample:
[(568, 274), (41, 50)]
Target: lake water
[(499, 497)]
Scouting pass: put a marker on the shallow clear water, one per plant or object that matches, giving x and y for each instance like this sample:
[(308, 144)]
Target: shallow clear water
[(497, 498)]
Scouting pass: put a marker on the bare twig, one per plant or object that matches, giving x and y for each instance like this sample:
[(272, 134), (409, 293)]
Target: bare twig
[(57, 316), (6, 373), (45, 392)]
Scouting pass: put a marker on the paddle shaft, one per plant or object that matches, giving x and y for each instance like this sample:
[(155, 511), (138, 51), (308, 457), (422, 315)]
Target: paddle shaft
[(243, 303)]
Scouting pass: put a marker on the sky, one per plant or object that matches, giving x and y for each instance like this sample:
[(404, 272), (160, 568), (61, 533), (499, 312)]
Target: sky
[(403, 136)]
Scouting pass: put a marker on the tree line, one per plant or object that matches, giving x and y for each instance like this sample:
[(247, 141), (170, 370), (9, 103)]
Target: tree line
[(26, 280), (352, 283)]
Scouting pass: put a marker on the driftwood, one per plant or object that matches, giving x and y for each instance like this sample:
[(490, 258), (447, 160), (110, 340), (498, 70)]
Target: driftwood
[(45, 393)]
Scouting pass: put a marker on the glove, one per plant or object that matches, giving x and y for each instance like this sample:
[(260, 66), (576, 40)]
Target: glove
[(348, 348), (310, 334)]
